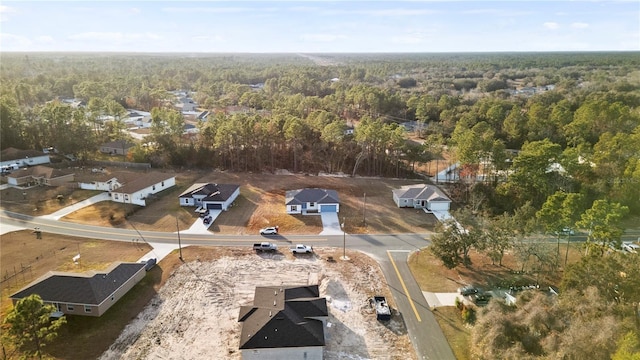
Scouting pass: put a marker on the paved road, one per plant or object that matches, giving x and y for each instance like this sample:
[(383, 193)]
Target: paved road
[(390, 251)]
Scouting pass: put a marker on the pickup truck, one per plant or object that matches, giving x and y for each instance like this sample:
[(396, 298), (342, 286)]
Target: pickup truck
[(265, 246), (383, 311), (302, 249)]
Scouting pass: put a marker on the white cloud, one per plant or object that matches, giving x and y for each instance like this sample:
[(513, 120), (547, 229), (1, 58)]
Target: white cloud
[(14, 42), (579, 25), (208, 38), (321, 37), (215, 10), (5, 11), (45, 39), (551, 25), (134, 11), (407, 39)]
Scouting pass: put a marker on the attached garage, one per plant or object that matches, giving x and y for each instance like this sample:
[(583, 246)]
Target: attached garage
[(328, 208)]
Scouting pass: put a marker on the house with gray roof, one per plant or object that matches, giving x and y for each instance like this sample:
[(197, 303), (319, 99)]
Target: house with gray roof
[(311, 201), (284, 322), (90, 294), (118, 147), (210, 196), (428, 197)]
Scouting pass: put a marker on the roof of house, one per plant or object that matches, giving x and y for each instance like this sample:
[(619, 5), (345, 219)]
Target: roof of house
[(421, 192), (302, 196), (39, 171), (9, 154), (118, 144), (142, 182), (212, 192), (90, 288), (283, 316)]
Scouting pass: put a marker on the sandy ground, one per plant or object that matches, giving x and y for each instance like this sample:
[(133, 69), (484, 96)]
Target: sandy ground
[(194, 316)]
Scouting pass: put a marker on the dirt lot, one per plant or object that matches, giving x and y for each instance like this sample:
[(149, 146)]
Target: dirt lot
[(202, 299)]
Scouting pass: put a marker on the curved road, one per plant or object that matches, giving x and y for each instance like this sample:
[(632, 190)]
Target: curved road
[(391, 252)]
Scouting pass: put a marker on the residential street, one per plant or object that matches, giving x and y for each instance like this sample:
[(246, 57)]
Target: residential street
[(390, 251)]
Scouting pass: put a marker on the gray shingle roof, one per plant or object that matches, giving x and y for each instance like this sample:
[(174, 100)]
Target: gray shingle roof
[(303, 196), (283, 317), (142, 182), (421, 192), (9, 154), (80, 288), (213, 192)]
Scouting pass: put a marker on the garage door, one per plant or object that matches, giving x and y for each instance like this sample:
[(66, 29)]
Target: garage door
[(328, 208), (214, 206)]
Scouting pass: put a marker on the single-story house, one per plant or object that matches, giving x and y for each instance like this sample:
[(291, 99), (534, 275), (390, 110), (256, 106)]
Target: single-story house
[(428, 197), (118, 147), (210, 196), (137, 190), (107, 183), (39, 175), (11, 157), (284, 322), (304, 201), (89, 294)]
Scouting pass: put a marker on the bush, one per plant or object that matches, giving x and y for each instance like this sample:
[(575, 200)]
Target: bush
[(468, 315)]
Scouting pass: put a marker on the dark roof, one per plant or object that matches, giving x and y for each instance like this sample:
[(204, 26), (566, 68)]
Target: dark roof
[(9, 154), (212, 192), (283, 316), (142, 182), (302, 196), (91, 289)]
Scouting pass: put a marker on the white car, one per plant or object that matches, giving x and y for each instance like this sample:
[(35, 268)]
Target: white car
[(272, 230), (630, 247)]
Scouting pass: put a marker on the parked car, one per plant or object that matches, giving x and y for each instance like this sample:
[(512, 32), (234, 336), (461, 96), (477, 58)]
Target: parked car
[(206, 220), (272, 230), (302, 249), (630, 247), (265, 246), (565, 231), (468, 290), (383, 311), (149, 264)]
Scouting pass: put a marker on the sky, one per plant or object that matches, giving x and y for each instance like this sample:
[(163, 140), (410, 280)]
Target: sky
[(319, 26)]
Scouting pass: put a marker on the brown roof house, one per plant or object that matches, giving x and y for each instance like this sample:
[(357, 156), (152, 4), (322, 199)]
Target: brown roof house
[(90, 294), (12, 156), (312, 200), (39, 175), (284, 322), (137, 190)]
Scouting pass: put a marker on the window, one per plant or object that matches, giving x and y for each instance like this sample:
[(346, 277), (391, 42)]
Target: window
[(69, 307), (115, 196), (294, 208), (87, 308), (312, 204), (126, 198)]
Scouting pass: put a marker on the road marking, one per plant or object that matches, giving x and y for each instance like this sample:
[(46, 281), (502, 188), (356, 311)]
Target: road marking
[(399, 251), (406, 292)]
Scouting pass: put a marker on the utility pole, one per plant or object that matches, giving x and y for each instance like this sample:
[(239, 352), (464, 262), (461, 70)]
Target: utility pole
[(179, 243), (344, 240), (364, 210)]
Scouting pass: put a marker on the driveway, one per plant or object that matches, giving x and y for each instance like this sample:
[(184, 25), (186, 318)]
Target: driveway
[(77, 206), (330, 224), (199, 227)]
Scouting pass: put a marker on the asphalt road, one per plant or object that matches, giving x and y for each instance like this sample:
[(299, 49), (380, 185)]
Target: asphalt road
[(391, 252)]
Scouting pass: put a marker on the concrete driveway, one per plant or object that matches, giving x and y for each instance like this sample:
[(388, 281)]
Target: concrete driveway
[(330, 224), (199, 227), (77, 206)]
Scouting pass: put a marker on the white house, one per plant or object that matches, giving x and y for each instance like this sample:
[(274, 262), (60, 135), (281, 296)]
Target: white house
[(305, 201), (39, 175), (136, 191), (109, 183), (428, 197), (11, 157), (284, 322), (210, 196)]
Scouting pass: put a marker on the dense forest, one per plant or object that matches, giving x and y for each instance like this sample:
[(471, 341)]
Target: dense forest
[(544, 142)]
